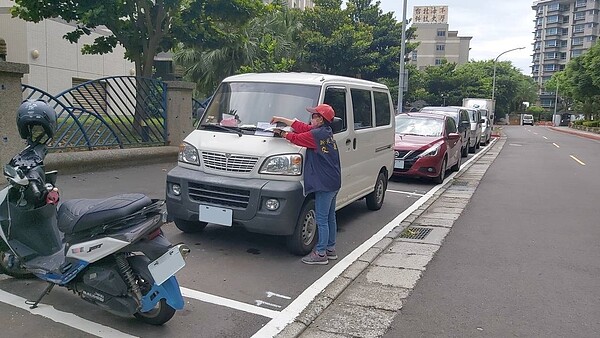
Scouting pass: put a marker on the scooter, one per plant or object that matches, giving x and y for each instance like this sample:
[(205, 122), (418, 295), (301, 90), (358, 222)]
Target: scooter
[(111, 252)]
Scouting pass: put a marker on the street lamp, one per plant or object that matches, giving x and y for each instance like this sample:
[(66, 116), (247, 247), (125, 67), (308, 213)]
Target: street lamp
[(444, 96), (495, 61), (401, 78)]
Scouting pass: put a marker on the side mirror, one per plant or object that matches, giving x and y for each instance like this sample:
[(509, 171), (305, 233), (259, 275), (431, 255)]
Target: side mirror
[(481, 121), (337, 125), (453, 137)]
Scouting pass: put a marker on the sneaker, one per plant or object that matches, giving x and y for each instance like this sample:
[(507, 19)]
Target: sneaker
[(314, 258), (331, 254)]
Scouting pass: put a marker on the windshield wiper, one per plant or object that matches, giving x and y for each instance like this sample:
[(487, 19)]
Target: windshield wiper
[(228, 129)]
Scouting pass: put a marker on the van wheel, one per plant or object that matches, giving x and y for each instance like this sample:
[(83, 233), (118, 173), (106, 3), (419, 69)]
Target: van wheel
[(465, 151), (440, 178), (456, 167), (304, 238), (189, 226), (375, 199)]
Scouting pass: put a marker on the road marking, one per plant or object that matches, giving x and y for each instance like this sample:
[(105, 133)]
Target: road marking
[(273, 294), (262, 302), (61, 317), (577, 160), (535, 133), (287, 315), (234, 304), (545, 138), (405, 192), (556, 145)]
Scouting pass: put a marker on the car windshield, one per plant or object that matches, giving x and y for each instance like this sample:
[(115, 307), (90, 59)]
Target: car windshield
[(420, 126), (529, 117), (247, 104)]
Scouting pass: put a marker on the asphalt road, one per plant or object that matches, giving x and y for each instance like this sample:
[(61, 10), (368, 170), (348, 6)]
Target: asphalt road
[(523, 258), (235, 281)]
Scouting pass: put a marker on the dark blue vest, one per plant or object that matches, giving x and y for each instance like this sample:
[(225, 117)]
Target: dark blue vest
[(322, 170)]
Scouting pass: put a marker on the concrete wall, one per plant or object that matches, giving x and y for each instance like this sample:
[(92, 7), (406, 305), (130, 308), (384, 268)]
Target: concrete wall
[(10, 99)]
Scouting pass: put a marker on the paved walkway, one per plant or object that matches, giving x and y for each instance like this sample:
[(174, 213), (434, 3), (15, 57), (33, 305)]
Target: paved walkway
[(581, 133)]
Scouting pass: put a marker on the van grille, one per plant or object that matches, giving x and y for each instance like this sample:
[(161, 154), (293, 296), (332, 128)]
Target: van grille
[(229, 162), (216, 195)]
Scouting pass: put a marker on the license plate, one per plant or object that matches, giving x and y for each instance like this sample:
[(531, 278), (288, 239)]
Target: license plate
[(166, 265), (215, 215), (399, 164)]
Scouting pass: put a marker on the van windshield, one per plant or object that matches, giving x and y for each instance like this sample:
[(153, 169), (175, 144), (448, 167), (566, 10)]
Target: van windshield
[(245, 104)]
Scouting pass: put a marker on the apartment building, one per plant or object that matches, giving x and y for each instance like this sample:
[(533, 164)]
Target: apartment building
[(564, 29), (436, 41)]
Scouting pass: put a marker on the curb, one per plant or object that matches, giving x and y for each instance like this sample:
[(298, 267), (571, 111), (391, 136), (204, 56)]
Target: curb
[(80, 161), (341, 310), (588, 135)]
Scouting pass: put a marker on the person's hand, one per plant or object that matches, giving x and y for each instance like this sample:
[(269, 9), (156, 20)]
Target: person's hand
[(275, 119)]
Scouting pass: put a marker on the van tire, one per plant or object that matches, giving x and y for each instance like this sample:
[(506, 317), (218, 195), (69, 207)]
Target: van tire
[(464, 152), (375, 198), (304, 238), (189, 226)]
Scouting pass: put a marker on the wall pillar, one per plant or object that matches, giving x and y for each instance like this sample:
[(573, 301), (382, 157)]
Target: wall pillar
[(179, 111), (11, 97)]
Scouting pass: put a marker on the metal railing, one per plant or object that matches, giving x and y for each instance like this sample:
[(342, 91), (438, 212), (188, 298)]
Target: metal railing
[(118, 111)]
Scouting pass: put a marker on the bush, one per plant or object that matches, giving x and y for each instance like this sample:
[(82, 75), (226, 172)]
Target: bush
[(578, 122)]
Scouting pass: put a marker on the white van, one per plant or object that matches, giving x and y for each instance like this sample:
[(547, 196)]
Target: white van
[(233, 172)]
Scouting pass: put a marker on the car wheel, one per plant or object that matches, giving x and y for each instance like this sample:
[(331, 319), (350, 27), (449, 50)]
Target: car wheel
[(375, 199), (478, 144), (440, 178), (465, 151), (304, 238), (472, 149), (456, 167), (189, 226)]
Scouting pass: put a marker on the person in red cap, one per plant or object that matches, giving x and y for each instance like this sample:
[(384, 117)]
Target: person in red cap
[(322, 174)]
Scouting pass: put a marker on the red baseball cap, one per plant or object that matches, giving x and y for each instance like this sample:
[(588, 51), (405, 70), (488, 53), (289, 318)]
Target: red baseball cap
[(324, 110)]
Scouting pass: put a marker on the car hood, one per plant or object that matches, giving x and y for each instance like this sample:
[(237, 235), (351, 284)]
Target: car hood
[(412, 142)]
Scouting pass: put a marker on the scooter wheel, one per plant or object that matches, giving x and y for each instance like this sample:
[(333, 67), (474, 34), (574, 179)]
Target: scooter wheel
[(10, 266)]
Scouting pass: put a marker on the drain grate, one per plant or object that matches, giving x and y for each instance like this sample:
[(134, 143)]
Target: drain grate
[(415, 233)]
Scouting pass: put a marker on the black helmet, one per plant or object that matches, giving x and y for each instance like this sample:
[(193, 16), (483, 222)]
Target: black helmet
[(33, 113)]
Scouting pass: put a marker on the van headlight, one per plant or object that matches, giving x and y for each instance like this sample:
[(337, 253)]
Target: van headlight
[(290, 164), (432, 151), (188, 154)]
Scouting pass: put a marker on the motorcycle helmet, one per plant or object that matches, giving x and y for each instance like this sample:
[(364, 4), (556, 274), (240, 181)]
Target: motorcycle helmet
[(36, 119)]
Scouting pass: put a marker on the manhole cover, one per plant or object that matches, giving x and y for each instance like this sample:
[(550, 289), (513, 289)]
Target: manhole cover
[(415, 233)]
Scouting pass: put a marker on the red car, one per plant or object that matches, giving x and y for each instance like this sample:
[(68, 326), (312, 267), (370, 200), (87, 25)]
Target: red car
[(426, 146)]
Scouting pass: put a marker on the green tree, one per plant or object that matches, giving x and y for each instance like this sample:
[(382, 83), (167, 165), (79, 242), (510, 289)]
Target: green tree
[(143, 27)]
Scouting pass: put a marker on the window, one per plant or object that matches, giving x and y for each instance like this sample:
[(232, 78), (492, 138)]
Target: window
[(579, 16), (590, 38), (551, 55), (549, 68), (540, 21), (580, 3), (565, 31), (450, 126), (551, 43), (440, 47), (563, 56), (552, 31), (382, 109), (563, 43), (578, 28), (552, 19), (576, 53), (414, 55), (554, 7), (336, 98), (441, 32), (577, 41), (363, 108), (438, 62)]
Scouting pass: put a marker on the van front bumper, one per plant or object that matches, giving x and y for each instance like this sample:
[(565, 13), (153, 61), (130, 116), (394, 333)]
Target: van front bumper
[(246, 197)]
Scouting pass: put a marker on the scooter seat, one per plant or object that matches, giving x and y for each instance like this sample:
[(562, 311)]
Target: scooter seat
[(84, 214)]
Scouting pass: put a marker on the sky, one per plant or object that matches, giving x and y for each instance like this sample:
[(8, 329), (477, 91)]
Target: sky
[(495, 26)]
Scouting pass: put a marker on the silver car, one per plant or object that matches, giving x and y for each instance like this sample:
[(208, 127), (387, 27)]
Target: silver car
[(486, 131), (475, 119)]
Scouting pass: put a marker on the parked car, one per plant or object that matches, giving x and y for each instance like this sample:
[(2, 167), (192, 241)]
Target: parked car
[(475, 124), (486, 131), (528, 119), (426, 145), (463, 123)]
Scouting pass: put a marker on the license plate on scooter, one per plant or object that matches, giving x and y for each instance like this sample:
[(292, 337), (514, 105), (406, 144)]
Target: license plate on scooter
[(166, 265)]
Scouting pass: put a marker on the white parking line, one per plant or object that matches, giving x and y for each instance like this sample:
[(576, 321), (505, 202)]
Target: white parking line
[(61, 317), (288, 314), (234, 304), (545, 138), (577, 160), (405, 192), (556, 145)]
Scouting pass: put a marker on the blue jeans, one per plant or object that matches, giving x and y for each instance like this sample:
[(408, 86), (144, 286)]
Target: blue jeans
[(326, 223)]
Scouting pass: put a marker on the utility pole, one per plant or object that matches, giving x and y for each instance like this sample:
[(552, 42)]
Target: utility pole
[(402, 54)]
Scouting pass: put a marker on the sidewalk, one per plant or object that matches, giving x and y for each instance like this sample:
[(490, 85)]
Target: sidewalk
[(366, 298)]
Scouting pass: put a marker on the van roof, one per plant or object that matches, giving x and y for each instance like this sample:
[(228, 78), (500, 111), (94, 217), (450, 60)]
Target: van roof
[(300, 78)]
